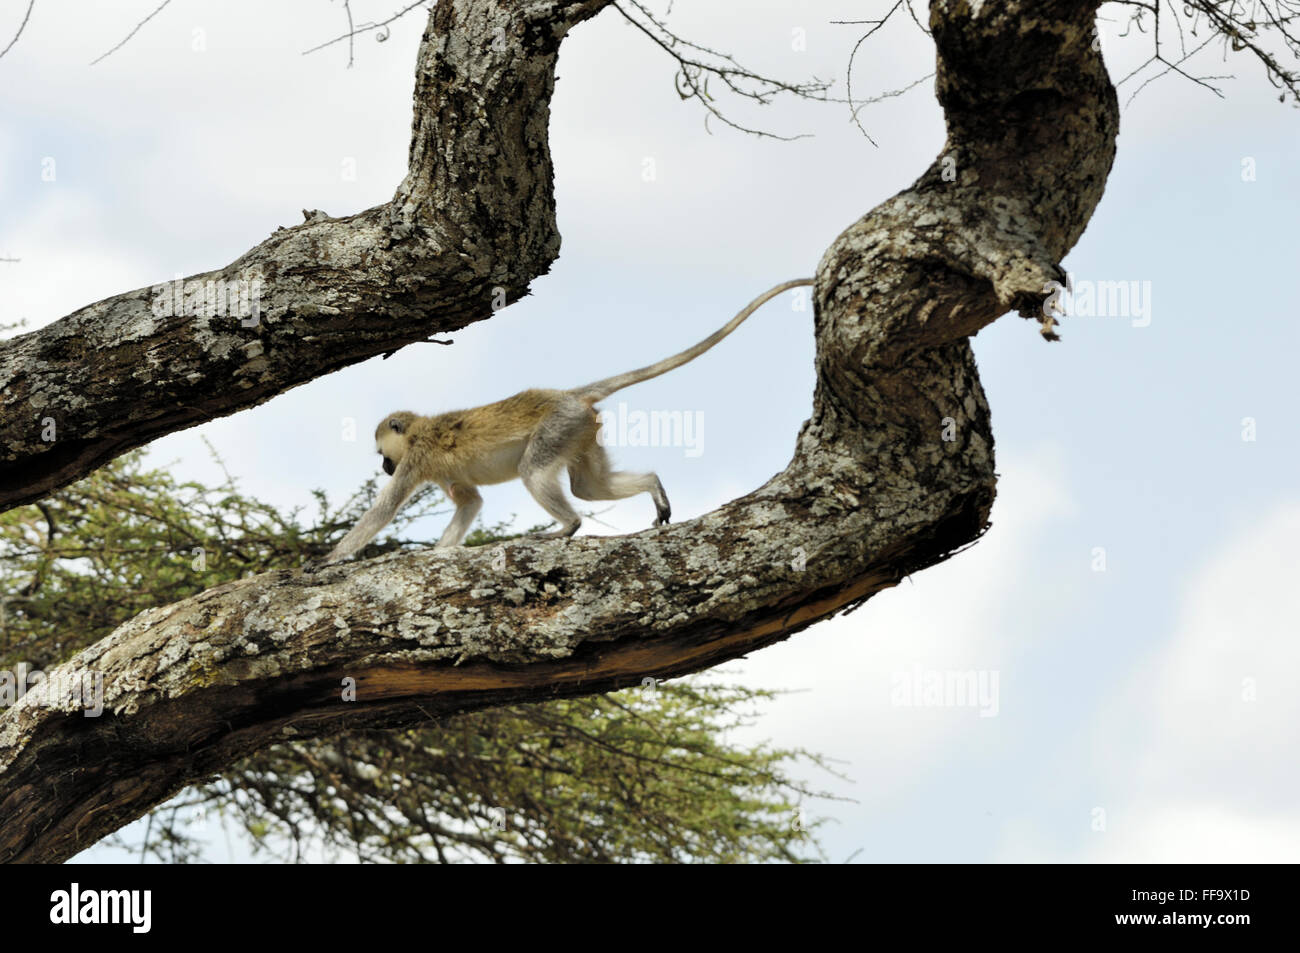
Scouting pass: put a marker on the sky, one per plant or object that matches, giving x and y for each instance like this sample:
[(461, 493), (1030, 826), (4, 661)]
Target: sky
[(1130, 619)]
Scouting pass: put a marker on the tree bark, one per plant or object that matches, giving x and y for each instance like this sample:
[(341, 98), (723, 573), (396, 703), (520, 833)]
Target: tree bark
[(892, 473)]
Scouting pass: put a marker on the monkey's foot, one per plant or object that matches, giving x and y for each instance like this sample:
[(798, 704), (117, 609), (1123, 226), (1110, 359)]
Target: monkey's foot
[(562, 533), (663, 509)]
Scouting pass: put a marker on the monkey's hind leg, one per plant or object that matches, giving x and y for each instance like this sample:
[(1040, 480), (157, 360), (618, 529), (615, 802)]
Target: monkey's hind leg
[(468, 502), (539, 468), (544, 484), (592, 479)]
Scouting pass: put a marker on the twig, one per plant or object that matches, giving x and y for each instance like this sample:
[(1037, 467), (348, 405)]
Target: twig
[(692, 76), (133, 32), (26, 16), (365, 28), (347, 7), (1238, 25)]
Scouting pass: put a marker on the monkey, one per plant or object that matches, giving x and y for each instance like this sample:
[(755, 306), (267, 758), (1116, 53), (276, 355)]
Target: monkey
[(533, 436)]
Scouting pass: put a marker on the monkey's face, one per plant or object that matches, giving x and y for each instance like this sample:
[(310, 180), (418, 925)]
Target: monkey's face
[(391, 439), (392, 448)]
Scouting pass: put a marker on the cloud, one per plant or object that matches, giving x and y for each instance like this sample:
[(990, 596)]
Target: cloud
[(61, 267), (1202, 834), (1196, 758), (1223, 697)]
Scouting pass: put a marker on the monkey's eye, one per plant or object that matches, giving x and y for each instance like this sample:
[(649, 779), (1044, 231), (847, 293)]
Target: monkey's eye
[(395, 425)]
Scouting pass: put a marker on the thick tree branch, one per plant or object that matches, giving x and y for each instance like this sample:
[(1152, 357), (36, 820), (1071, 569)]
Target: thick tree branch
[(892, 473)]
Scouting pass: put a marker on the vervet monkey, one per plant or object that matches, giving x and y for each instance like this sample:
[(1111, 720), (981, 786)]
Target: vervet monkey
[(533, 435)]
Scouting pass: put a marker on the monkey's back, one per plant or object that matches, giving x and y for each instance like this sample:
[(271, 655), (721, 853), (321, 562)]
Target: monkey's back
[(483, 445)]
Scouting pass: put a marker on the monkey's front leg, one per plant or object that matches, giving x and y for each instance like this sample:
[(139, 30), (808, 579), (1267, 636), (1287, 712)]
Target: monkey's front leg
[(391, 497), (468, 503)]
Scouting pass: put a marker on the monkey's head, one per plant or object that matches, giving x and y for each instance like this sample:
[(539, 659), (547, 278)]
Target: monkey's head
[(391, 438)]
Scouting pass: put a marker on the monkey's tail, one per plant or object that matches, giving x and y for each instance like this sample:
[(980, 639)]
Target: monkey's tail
[(602, 389)]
